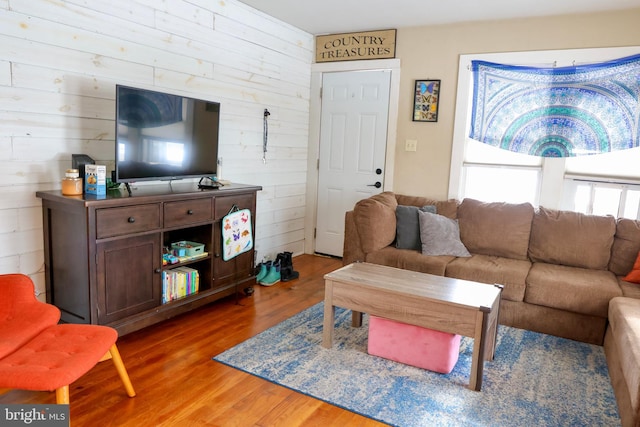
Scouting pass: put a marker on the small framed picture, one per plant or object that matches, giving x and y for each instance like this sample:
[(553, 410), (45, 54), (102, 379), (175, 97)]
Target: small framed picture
[(425, 100)]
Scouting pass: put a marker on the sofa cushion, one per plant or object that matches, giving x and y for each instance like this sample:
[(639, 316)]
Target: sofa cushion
[(624, 324), (571, 238), (629, 289), (440, 235), (573, 289), (448, 208), (511, 273), (375, 219), (410, 260), (408, 226), (626, 245), (500, 229)]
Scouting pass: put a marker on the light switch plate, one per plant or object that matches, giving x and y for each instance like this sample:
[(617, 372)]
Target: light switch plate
[(411, 145)]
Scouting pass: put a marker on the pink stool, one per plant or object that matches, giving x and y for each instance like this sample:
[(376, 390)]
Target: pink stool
[(413, 345)]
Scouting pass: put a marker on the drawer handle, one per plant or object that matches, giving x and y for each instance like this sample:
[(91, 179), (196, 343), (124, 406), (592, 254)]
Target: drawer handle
[(131, 219), (189, 212), (157, 270)]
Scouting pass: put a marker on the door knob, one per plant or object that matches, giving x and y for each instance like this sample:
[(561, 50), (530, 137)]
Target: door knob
[(377, 185), (378, 171)]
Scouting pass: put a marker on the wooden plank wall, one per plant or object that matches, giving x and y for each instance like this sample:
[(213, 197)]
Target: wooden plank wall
[(61, 59)]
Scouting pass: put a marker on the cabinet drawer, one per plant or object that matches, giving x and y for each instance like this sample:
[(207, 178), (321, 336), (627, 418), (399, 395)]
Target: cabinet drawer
[(126, 220), (224, 204), (187, 212)]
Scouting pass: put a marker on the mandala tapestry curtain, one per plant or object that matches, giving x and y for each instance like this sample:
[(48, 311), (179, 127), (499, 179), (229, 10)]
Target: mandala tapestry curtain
[(557, 112)]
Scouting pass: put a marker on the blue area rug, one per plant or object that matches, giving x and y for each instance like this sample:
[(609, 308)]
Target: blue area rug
[(535, 379)]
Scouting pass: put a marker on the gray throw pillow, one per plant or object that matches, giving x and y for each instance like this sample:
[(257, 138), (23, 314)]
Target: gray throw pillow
[(408, 226), (440, 236)]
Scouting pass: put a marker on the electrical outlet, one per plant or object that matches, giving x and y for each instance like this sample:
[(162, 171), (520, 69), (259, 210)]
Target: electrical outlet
[(411, 145)]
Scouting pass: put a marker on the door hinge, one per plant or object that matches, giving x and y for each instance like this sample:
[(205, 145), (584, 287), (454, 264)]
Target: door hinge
[(315, 231), (321, 92), (318, 164)]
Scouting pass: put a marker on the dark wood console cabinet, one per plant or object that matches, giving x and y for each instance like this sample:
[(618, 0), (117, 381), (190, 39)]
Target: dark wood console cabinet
[(103, 255)]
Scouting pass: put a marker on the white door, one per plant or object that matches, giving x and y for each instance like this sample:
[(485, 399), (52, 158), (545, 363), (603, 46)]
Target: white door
[(353, 139)]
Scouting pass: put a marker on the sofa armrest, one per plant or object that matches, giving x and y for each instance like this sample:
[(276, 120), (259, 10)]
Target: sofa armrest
[(370, 226), (352, 251)]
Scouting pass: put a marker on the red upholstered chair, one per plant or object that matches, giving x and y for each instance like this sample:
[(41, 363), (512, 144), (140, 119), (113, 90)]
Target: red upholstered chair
[(37, 353)]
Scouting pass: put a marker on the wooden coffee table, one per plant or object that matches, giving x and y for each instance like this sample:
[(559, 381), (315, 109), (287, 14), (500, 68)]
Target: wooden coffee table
[(441, 303)]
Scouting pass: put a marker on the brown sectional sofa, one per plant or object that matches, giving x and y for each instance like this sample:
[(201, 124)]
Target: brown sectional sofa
[(560, 271), (622, 347)]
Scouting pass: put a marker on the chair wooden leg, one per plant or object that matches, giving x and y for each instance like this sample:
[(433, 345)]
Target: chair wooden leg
[(122, 371), (62, 395)]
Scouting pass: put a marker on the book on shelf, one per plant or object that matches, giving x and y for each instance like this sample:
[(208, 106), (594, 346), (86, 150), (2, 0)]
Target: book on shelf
[(179, 282)]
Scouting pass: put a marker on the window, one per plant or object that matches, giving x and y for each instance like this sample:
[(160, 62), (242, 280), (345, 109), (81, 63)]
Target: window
[(491, 175), (621, 200), (599, 184), (510, 184)]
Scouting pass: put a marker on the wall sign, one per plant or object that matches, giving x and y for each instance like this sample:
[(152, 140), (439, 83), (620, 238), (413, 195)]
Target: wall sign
[(356, 46)]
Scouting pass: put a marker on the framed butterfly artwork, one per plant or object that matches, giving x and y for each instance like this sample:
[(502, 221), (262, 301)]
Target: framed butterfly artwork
[(237, 236), (426, 95)]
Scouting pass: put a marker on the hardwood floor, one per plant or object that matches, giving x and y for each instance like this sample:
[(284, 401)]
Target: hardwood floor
[(177, 383)]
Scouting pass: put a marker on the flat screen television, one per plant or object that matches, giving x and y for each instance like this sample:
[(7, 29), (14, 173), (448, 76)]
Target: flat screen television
[(160, 136)]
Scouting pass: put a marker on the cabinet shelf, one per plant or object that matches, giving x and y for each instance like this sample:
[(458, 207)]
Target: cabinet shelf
[(194, 260), (121, 240), (187, 298)]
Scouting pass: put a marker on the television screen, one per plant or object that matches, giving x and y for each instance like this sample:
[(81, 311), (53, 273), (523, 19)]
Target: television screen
[(160, 136)]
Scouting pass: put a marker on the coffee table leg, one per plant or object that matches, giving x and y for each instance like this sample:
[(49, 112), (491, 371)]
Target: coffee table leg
[(327, 328), (356, 319), (329, 316), (479, 343), (492, 331), (492, 337)]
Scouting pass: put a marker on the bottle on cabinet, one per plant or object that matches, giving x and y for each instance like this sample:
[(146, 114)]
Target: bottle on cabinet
[(72, 183)]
